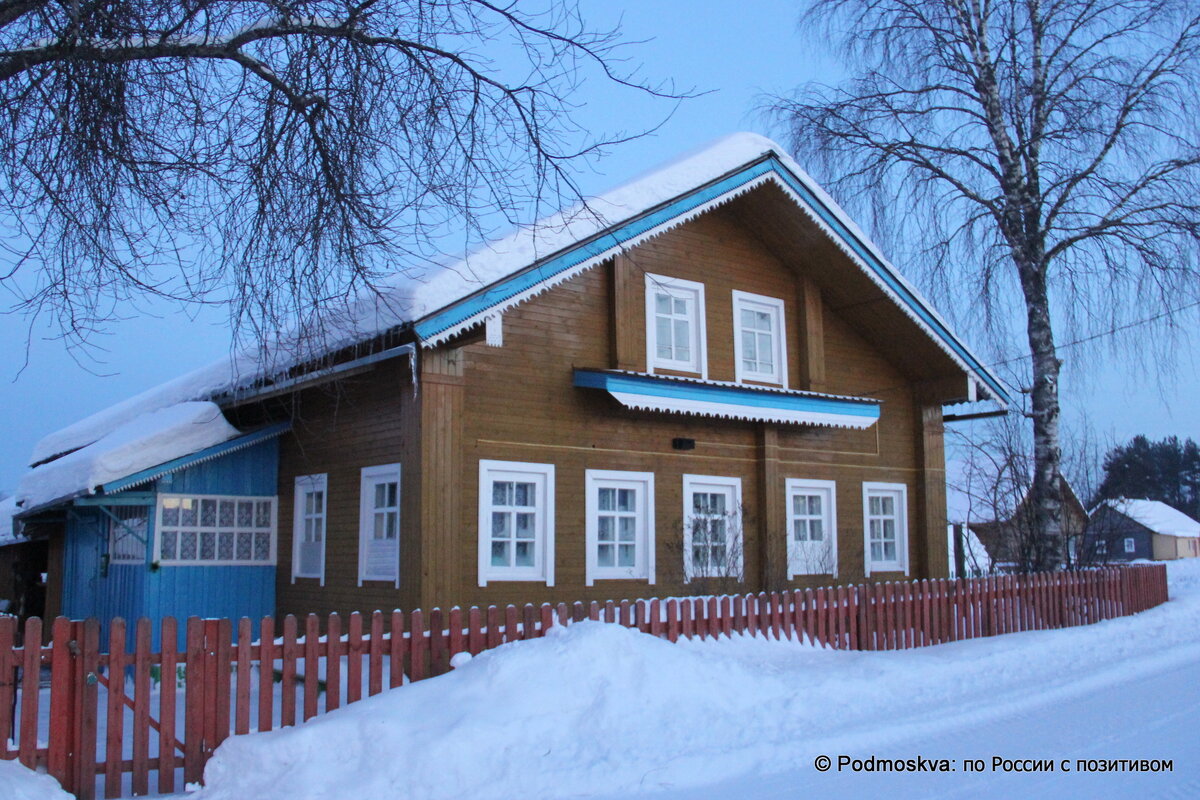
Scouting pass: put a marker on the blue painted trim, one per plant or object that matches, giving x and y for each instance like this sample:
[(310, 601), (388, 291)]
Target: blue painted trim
[(651, 386), (508, 288), (216, 451), (523, 281)]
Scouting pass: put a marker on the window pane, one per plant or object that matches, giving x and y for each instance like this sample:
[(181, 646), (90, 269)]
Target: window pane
[(499, 554), (662, 334), (682, 340), (887, 505), (718, 555), (262, 546), (526, 494), (245, 514), (187, 513), (662, 303), (208, 513), (815, 532), (607, 499), (501, 493), (380, 495), (245, 546), (874, 503), (799, 531), (625, 555), (604, 530), (168, 542), (170, 512), (679, 305), (524, 526), (262, 514), (208, 545), (225, 546), (501, 522), (626, 499), (605, 556), (524, 554), (628, 529), (187, 546)]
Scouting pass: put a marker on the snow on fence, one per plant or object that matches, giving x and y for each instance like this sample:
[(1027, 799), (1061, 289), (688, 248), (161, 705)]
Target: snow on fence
[(89, 711)]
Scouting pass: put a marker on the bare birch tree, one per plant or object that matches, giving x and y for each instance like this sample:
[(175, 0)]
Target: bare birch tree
[(275, 155), (1047, 149)]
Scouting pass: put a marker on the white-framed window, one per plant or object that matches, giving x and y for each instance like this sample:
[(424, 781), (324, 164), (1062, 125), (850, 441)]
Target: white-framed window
[(308, 527), (675, 332), (760, 341), (379, 524), (206, 530), (1130, 546), (516, 521), (1101, 547), (128, 528), (712, 527), (885, 527), (620, 525), (812, 527)]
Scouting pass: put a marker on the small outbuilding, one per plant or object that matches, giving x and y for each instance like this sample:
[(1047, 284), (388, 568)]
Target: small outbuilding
[(1128, 530)]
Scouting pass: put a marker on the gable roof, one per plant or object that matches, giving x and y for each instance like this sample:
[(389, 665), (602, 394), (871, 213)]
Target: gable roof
[(532, 260), (1157, 516)]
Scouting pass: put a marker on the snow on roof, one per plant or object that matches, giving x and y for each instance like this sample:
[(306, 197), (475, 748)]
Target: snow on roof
[(8, 509), (145, 441), (404, 299), (1157, 516)]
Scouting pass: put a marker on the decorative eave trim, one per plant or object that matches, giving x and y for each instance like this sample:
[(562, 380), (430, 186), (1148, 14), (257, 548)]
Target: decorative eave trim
[(730, 401), (542, 276), (199, 457)]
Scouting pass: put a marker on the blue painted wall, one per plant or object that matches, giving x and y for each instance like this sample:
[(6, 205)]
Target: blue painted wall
[(147, 590)]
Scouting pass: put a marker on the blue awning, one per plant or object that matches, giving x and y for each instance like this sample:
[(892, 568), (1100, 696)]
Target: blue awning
[(730, 400)]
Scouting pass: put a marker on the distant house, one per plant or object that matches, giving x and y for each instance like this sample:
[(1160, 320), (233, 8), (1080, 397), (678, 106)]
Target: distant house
[(710, 375), (1128, 530), (1007, 540)]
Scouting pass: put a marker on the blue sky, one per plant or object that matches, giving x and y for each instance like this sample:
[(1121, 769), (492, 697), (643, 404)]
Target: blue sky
[(735, 57)]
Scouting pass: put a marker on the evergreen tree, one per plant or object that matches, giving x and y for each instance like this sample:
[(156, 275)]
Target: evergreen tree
[(1168, 471)]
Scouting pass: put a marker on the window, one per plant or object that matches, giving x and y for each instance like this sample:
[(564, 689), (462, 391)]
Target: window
[(812, 527), (620, 525), (675, 337), (127, 530), (308, 528), (202, 530), (1129, 545), (712, 527), (379, 524), (885, 524), (1101, 547), (759, 348), (516, 522)]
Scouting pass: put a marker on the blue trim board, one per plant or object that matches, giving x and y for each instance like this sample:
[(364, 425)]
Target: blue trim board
[(613, 237), (508, 288), (182, 462), (651, 386)]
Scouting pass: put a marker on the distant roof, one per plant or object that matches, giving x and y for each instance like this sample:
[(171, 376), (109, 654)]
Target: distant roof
[(1157, 516), (535, 258)]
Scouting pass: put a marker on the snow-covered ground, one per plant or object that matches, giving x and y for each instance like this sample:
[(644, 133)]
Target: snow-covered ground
[(601, 711)]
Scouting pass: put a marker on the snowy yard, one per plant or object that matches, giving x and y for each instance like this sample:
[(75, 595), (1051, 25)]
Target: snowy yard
[(603, 711)]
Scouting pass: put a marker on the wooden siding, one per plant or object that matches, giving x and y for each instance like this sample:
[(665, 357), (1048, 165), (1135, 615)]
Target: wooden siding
[(337, 429), (519, 405)]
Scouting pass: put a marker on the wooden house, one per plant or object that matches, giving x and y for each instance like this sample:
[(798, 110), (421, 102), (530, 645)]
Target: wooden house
[(1131, 530), (708, 378), (1008, 540)]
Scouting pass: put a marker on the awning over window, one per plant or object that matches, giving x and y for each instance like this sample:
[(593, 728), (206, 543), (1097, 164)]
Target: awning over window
[(730, 400)]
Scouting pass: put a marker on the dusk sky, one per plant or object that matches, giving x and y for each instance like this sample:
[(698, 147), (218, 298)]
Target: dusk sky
[(699, 44)]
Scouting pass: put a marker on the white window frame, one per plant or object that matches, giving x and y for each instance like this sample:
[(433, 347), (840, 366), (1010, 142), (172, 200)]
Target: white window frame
[(305, 484), (737, 539), (1100, 548), (698, 364), (370, 478), (1130, 545), (160, 528), (643, 484), (827, 490), (900, 492), (773, 306), (542, 475)]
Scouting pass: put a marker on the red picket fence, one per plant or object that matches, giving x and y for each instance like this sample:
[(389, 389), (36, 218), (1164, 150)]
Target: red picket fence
[(118, 714)]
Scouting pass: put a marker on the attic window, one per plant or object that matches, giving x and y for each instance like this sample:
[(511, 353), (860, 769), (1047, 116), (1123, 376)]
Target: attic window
[(675, 337), (759, 349)]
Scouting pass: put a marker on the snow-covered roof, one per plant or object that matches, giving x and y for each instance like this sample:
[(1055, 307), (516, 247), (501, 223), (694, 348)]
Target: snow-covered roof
[(8, 509), (1157, 516), (533, 259), (145, 441)]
